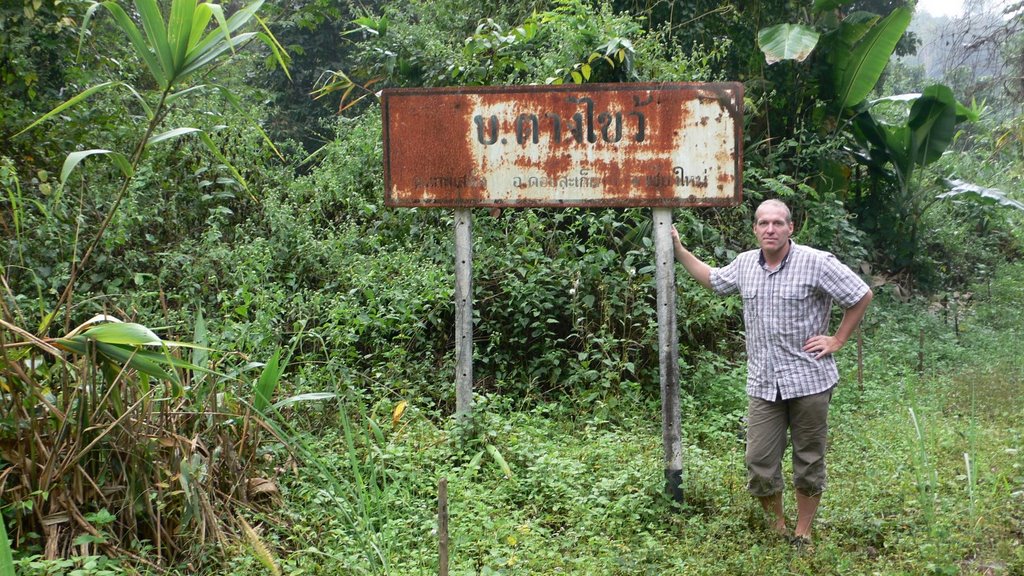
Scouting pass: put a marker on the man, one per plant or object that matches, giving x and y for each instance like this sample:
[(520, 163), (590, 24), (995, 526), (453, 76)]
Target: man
[(787, 292)]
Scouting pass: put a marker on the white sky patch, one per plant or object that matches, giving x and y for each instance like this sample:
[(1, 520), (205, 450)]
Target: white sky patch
[(949, 8)]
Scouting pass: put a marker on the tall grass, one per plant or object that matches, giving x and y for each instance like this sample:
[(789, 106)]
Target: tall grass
[(927, 475), (353, 483)]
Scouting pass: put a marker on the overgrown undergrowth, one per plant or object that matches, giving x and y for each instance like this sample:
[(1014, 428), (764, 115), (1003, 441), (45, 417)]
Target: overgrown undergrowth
[(926, 472)]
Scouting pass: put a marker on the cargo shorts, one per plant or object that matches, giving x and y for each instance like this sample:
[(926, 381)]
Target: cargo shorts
[(806, 421)]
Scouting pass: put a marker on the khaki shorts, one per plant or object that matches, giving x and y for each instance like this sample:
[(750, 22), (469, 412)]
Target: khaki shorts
[(806, 420)]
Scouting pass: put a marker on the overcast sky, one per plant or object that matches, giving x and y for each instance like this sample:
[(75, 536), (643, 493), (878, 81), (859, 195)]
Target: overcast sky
[(940, 7)]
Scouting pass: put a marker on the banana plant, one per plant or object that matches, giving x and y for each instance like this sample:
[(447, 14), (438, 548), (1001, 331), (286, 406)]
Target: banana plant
[(177, 50), (924, 135), (897, 152), (857, 47), (863, 47)]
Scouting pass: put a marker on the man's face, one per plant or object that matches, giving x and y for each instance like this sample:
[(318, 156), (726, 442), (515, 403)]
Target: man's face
[(771, 228)]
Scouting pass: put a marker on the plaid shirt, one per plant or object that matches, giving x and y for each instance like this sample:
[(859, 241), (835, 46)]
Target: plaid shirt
[(781, 310)]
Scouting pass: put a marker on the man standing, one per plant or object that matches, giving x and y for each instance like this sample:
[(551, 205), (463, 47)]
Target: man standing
[(787, 291)]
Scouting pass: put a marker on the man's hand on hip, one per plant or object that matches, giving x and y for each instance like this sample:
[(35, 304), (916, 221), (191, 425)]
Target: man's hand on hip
[(822, 345)]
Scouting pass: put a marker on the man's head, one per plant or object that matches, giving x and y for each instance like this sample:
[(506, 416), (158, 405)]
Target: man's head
[(773, 225)]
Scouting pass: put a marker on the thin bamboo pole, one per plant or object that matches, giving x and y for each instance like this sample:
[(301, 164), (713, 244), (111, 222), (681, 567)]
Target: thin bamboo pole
[(442, 526)]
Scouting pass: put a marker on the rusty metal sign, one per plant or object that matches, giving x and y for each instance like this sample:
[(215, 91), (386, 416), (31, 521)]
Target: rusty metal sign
[(659, 145)]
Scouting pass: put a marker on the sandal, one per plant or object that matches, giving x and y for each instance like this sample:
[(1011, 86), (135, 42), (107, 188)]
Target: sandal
[(802, 544)]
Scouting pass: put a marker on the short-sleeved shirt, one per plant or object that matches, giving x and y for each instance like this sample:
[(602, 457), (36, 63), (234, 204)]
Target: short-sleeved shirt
[(781, 310)]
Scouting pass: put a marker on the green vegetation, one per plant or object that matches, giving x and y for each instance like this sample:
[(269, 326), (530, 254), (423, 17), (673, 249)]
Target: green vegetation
[(925, 473), (220, 353)]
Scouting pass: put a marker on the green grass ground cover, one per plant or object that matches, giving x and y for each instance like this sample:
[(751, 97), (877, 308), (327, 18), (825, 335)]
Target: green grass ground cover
[(926, 472)]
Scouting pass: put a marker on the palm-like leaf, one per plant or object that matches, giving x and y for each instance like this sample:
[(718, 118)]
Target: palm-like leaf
[(142, 48), (122, 344), (270, 377), (75, 158), (123, 333), (156, 34), (183, 18), (68, 104), (175, 49)]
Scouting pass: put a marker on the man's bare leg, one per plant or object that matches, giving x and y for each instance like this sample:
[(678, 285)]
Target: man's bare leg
[(773, 506), (806, 507)]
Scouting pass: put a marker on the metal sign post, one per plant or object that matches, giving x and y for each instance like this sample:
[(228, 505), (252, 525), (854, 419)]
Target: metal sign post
[(668, 352), (463, 312), (593, 145)]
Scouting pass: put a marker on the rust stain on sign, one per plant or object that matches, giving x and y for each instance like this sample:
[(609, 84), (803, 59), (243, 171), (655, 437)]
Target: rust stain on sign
[(660, 145)]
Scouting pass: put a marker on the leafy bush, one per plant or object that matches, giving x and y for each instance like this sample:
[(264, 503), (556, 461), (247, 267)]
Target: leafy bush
[(124, 445)]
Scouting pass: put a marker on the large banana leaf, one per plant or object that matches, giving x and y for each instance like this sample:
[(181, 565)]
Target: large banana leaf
[(961, 190), (933, 119), (927, 133), (899, 146), (853, 28), (871, 136), (786, 42), (857, 72)]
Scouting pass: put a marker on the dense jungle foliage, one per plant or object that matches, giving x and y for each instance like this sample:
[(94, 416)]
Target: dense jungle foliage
[(222, 354)]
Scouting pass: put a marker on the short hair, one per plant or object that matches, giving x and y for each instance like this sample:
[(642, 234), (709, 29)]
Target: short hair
[(777, 203)]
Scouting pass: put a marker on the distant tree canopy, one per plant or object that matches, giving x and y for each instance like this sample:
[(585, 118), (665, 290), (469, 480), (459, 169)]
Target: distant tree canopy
[(979, 53)]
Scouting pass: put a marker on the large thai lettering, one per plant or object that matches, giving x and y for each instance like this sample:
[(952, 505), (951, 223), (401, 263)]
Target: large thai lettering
[(521, 127), (586, 126), (581, 121), (493, 124), (604, 120)]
